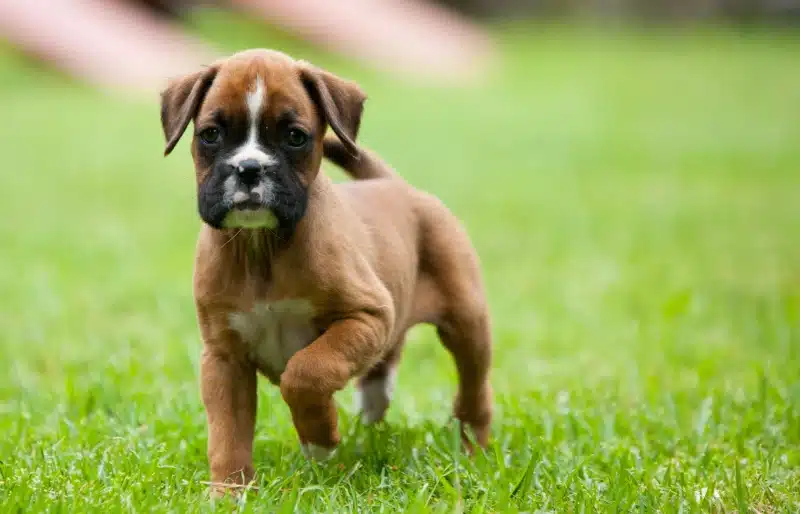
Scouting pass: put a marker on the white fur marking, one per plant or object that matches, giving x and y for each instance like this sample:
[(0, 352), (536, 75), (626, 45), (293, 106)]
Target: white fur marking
[(373, 397), (233, 192), (240, 197), (251, 149), (318, 453), (276, 331), (263, 191), (229, 188), (255, 100)]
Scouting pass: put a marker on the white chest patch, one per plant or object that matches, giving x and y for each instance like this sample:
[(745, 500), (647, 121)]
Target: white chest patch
[(275, 331)]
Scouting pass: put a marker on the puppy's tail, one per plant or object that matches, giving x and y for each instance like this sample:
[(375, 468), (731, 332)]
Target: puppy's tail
[(363, 166)]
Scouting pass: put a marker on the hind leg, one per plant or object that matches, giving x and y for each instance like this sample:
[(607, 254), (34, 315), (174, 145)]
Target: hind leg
[(465, 334), (375, 389)]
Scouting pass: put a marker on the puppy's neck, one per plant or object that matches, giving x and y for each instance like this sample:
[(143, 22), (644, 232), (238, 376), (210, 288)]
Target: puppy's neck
[(250, 243)]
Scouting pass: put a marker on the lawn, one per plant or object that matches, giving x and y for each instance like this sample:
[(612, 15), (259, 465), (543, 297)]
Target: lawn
[(634, 197)]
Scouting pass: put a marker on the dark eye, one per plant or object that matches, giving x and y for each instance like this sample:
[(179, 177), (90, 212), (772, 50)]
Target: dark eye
[(296, 138), (210, 136)]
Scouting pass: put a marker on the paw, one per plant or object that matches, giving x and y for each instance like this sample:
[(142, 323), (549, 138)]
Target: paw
[(373, 397), (318, 453), (220, 490)]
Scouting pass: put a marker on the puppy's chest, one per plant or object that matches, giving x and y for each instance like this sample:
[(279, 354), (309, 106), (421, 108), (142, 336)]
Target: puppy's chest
[(275, 331)]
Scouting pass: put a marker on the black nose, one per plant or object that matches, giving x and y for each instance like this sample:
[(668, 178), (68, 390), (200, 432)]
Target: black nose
[(249, 171)]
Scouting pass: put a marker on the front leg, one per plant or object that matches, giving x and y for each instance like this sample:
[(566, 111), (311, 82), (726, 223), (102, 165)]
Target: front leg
[(348, 348), (228, 385)]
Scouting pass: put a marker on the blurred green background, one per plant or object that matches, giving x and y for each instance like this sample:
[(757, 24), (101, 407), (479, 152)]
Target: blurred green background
[(634, 194)]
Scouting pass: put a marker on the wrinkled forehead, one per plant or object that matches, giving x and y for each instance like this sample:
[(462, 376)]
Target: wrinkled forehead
[(262, 85)]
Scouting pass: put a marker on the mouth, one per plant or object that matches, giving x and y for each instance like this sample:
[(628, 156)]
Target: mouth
[(251, 218), (248, 205), (243, 200), (229, 203), (248, 211)]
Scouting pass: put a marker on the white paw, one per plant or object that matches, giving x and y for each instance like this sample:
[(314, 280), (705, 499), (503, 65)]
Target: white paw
[(373, 398), (314, 452)]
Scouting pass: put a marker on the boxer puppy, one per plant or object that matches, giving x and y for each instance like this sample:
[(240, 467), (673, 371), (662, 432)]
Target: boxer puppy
[(312, 284)]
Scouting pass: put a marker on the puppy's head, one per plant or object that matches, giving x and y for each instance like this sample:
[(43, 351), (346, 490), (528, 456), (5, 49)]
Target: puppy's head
[(259, 121)]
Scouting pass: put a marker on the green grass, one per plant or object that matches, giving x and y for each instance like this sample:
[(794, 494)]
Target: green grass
[(635, 199)]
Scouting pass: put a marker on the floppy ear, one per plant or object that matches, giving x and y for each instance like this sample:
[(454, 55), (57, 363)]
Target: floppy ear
[(341, 102), (180, 102)]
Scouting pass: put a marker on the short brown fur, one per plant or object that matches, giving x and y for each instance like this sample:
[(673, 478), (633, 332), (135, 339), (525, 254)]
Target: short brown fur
[(374, 257)]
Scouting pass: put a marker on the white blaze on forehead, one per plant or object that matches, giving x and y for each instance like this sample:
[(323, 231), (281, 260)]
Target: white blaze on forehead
[(254, 99)]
